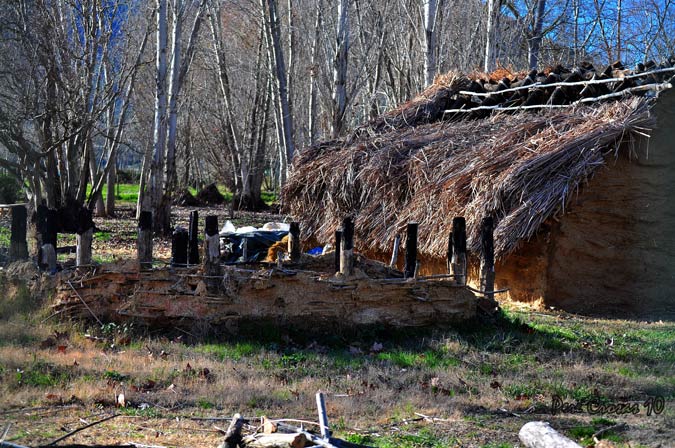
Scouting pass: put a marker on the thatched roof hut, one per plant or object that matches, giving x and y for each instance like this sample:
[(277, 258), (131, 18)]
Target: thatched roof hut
[(581, 203)]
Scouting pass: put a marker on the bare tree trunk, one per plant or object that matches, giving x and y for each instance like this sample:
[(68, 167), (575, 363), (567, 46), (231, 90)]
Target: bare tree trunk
[(282, 87), (313, 71), (340, 69), (143, 194), (618, 30), (492, 35), (110, 188), (160, 122), (179, 68), (430, 8), (534, 43)]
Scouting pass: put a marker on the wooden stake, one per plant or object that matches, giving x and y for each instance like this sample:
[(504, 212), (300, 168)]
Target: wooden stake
[(347, 248), (338, 243), (323, 416), (487, 258), (459, 250), (18, 247), (394, 251), (212, 254), (410, 250), (179, 247), (85, 236), (193, 242), (144, 242), (294, 242), (448, 255)]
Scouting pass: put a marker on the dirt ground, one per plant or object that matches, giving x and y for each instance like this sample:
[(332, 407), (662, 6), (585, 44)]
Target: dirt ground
[(469, 385)]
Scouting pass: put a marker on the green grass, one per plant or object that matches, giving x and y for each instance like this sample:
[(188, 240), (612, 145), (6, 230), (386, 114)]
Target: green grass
[(124, 193), (5, 235)]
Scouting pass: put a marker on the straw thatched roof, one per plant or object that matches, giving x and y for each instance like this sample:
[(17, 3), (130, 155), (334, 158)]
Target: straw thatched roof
[(428, 161)]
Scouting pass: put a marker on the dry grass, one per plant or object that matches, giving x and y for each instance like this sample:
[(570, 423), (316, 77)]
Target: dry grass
[(484, 380)]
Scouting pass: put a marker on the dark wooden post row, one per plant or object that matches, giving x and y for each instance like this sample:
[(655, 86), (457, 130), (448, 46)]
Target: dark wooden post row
[(193, 243), (144, 242), (487, 258), (294, 242), (212, 253), (338, 243), (410, 250), (18, 247), (459, 250), (347, 247)]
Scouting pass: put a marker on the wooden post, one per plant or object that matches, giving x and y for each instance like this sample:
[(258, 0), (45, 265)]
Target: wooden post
[(18, 247), (144, 242), (410, 250), (394, 251), (85, 236), (338, 243), (541, 435), (193, 242), (294, 242), (179, 247), (459, 250), (244, 250), (487, 258), (212, 254), (347, 248), (448, 255), (323, 417), (49, 237)]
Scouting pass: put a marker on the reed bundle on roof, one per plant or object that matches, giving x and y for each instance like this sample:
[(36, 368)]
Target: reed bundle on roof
[(410, 166)]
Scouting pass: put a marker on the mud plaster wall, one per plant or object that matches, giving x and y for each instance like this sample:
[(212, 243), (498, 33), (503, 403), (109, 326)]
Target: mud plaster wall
[(613, 252)]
